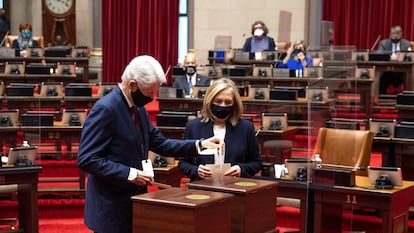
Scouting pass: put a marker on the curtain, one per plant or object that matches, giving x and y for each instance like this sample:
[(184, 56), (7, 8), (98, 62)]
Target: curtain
[(137, 27), (360, 22)]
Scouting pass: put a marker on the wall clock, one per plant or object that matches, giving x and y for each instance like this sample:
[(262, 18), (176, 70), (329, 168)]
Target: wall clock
[(59, 22)]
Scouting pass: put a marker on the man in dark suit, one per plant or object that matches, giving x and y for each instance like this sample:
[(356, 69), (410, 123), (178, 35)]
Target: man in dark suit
[(114, 145), (191, 78), (393, 82), (395, 43)]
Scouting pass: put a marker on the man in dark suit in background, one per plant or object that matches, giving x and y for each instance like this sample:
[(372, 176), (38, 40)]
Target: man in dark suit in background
[(395, 43), (393, 82), (191, 77), (114, 145)]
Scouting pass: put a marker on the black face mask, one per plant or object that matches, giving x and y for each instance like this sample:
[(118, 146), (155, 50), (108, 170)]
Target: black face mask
[(139, 99), (190, 70), (295, 52), (395, 40), (221, 112)]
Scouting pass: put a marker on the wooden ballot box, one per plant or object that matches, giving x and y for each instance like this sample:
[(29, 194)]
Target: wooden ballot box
[(253, 206), (178, 210)]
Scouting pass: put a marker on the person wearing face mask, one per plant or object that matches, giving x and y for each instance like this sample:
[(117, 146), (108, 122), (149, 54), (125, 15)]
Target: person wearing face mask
[(296, 58), (4, 25), (259, 41), (191, 78), (114, 145), (393, 82), (221, 117), (395, 43), (25, 39)]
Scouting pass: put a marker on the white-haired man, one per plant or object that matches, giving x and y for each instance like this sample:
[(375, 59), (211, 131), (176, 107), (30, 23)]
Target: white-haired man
[(116, 137)]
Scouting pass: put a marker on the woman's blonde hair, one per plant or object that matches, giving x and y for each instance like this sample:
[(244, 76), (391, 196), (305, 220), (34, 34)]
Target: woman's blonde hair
[(216, 87)]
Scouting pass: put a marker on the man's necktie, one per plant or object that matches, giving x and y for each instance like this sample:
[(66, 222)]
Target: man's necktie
[(138, 125), (190, 85)]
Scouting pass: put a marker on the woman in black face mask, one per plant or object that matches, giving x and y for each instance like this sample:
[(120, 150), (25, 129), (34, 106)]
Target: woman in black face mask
[(221, 117)]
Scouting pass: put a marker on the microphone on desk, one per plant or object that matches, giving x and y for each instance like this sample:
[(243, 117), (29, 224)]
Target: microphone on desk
[(4, 38), (376, 42), (259, 130), (168, 70)]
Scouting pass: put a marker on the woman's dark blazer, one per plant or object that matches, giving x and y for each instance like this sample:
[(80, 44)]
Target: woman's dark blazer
[(240, 143)]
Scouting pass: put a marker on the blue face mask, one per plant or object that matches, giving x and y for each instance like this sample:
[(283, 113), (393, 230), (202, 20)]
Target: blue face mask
[(26, 34)]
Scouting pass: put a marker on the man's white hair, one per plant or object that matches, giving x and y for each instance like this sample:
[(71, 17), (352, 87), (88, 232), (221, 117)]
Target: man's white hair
[(144, 69)]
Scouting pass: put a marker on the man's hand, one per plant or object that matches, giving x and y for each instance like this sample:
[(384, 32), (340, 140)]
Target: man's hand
[(234, 171), (204, 172), (142, 179), (212, 143)]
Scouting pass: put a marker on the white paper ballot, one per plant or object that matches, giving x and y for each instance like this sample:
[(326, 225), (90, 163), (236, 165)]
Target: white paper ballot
[(147, 167), (218, 170)]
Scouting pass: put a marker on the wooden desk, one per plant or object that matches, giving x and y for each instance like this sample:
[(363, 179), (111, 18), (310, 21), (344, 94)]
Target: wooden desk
[(26, 178), (37, 78), (58, 133), (25, 103), (362, 87), (73, 102), (393, 66), (392, 204), (82, 62), (403, 150), (385, 145), (297, 110), (253, 205), (405, 112), (178, 210), (170, 175), (298, 190), (264, 135), (8, 136)]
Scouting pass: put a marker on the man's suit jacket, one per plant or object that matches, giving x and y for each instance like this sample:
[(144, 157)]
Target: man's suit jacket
[(180, 82), (386, 45), (240, 143), (111, 144)]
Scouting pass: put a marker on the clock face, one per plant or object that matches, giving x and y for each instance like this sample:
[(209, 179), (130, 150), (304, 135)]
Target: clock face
[(59, 6)]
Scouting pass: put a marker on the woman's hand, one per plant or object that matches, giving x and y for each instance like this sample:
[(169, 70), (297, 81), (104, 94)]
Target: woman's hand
[(204, 172), (234, 171)]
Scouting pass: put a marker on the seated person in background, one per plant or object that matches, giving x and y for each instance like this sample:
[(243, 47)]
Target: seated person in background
[(296, 58), (260, 41), (393, 82), (191, 78), (221, 116), (25, 40), (395, 43)]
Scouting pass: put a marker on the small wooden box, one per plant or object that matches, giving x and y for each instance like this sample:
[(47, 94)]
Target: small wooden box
[(253, 205), (178, 210)]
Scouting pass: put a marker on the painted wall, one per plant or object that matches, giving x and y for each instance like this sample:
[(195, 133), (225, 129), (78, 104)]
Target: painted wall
[(235, 17)]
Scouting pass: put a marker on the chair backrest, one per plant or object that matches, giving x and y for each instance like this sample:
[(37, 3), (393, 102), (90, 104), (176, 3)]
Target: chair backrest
[(8, 41), (343, 147), (283, 45)]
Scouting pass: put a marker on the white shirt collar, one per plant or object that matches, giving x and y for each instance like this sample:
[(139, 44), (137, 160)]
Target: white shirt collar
[(130, 103)]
